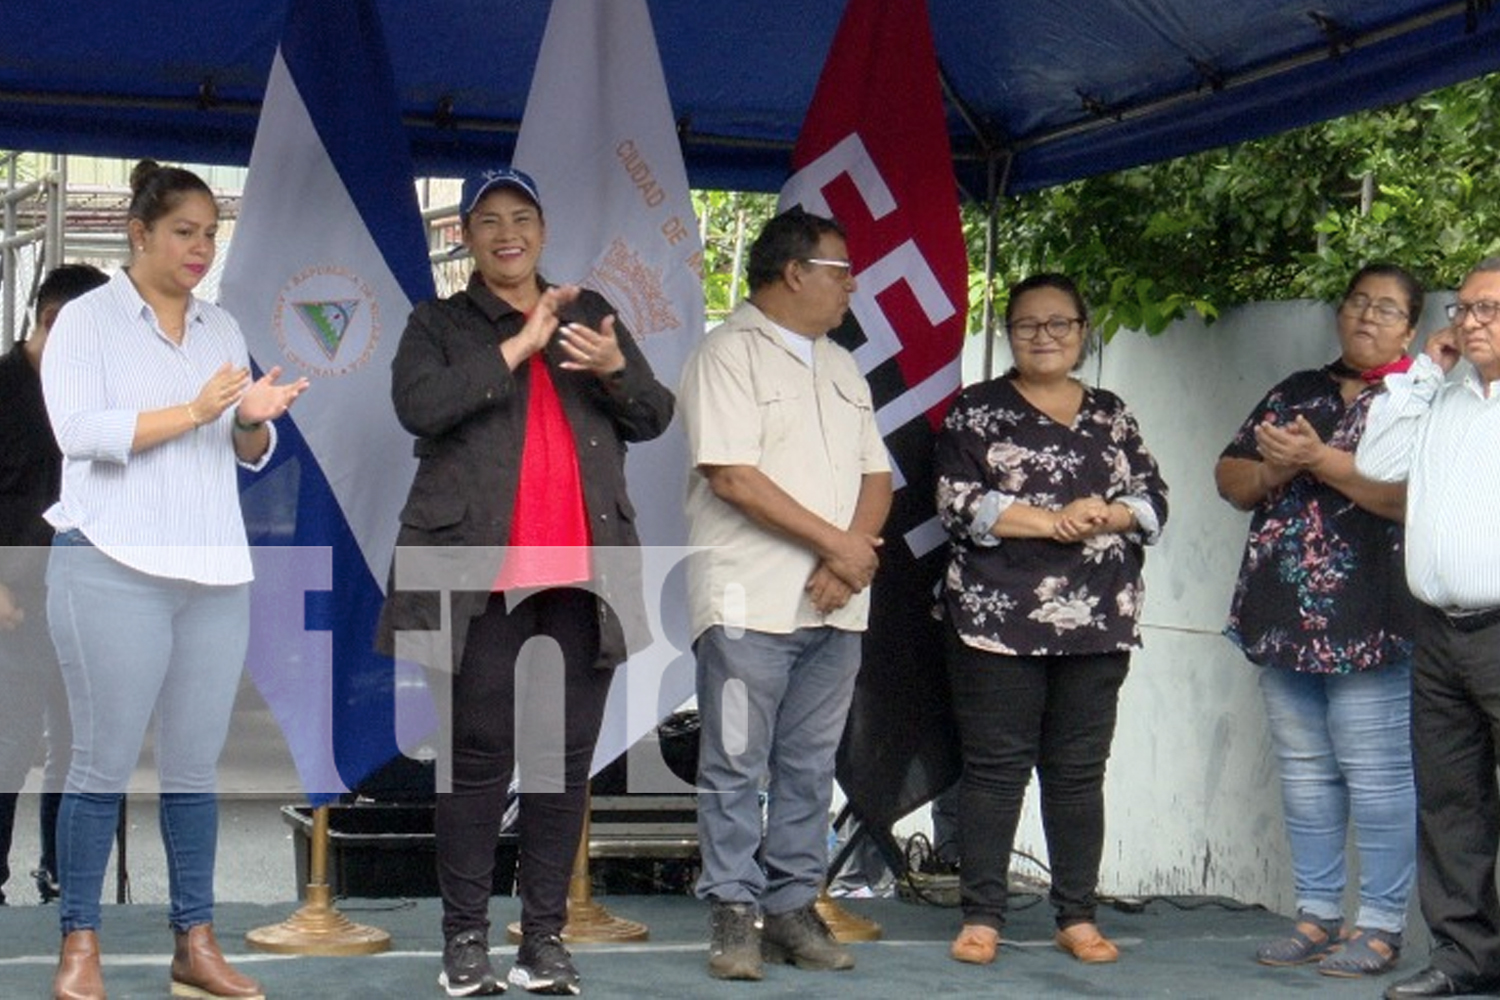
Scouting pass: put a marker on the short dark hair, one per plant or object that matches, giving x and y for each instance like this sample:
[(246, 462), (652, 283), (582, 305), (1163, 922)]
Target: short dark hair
[(155, 190), (1486, 266), (1047, 279), (66, 282), (792, 235), (1409, 284)]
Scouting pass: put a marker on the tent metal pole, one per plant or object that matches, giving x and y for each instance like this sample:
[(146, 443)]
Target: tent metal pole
[(9, 257), (995, 183)]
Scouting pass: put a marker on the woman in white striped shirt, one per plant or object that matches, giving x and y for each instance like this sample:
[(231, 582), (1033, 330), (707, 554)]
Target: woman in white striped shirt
[(150, 396)]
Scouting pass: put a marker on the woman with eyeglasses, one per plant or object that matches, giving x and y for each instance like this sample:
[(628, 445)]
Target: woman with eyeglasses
[(1049, 497), (1322, 607)]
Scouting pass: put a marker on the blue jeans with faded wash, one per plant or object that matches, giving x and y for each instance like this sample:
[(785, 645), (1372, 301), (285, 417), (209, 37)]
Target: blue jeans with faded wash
[(130, 644), (772, 710), (1343, 742)]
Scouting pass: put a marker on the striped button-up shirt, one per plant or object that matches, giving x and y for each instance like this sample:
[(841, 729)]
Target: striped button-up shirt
[(1442, 437), (169, 511)]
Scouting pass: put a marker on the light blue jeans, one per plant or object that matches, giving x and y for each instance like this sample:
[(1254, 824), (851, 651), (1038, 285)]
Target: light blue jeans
[(1344, 745), (771, 707), (130, 644)]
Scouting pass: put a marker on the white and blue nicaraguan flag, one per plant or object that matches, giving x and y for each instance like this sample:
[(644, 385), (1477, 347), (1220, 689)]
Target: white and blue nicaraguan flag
[(600, 139), (329, 254)]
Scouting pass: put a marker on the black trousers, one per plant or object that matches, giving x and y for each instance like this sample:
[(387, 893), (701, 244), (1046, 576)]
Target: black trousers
[(1455, 713), (1054, 714), (507, 707)]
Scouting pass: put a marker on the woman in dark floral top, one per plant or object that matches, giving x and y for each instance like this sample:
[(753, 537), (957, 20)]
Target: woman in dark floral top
[(1321, 605), (1048, 495)]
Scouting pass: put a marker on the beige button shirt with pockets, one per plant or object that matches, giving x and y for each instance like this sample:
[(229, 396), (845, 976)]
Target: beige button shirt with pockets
[(747, 399)]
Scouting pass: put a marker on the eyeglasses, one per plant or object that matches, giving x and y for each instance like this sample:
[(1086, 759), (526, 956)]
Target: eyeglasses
[(1386, 313), (841, 268), (1058, 328), (1484, 312)]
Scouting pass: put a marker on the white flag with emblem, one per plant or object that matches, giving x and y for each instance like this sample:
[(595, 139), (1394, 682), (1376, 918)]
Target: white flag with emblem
[(599, 137), (328, 255)]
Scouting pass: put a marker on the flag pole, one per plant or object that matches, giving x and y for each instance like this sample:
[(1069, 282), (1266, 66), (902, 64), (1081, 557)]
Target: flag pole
[(588, 921), (318, 928)]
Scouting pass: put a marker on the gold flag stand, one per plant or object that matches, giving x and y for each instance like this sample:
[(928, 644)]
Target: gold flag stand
[(318, 928), (588, 921)]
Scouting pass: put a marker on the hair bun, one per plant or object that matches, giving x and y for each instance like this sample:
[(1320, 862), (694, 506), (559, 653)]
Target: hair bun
[(141, 173)]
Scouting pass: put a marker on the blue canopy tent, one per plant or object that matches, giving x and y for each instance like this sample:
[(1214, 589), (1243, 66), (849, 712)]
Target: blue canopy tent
[(1039, 91)]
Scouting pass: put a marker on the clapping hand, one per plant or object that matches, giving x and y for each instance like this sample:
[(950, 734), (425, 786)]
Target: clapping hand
[(266, 400), (1291, 447), (596, 351)]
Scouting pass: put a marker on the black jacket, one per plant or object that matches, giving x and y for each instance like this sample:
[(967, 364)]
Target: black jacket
[(453, 390), (30, 473)]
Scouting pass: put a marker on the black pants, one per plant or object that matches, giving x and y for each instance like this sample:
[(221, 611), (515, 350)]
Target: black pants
[(1055, 714), (1455, 712), (7, 828), (548, 716)]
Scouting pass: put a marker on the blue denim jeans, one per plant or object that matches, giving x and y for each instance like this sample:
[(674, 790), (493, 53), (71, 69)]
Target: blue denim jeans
[(1343, 742), (130, 644), (772, 708)]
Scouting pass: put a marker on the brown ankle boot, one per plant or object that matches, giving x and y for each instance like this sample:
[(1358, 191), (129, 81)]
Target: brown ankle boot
[(199, 969), (78, 974)]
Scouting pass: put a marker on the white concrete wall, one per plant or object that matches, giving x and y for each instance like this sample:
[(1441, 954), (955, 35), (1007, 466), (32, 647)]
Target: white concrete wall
[(1193, 799)]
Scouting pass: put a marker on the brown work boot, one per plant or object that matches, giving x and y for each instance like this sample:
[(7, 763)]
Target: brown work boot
[(801, 938), (78, 974), (734, 943), (199, 969)]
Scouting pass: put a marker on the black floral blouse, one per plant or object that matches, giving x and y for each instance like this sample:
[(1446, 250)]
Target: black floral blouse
[(1037, 597), (1322, 587)]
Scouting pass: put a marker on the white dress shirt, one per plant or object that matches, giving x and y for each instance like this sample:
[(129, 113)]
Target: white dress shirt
[(172, 510), (1443, 438)]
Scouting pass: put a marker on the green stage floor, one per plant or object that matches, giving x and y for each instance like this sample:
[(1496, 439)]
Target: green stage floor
[(1189, 947)]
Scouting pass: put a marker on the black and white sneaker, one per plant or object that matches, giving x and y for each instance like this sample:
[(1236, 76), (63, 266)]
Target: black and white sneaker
[(466, 967), (543, 965)]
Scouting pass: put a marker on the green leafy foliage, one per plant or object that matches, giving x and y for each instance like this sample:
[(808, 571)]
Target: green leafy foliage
[(1289, 216)]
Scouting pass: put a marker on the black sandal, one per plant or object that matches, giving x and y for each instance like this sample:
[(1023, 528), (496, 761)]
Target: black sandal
[(1358, 955), (1300, 947)]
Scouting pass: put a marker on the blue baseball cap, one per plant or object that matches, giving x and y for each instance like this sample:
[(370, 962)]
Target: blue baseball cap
[(478, 185)]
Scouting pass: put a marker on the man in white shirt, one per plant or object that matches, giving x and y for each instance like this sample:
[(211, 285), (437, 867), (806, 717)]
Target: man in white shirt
[(789, 488), (1443, 436)]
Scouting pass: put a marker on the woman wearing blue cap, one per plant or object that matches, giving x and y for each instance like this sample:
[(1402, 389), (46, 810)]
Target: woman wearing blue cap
[(522, 396)]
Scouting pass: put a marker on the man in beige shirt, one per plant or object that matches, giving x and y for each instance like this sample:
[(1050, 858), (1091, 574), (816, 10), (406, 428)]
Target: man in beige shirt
[(789, 488)]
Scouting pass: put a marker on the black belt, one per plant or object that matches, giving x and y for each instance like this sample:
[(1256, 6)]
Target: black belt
[(1470, 621)]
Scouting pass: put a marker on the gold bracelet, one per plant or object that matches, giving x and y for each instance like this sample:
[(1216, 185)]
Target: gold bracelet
[(192, 416)]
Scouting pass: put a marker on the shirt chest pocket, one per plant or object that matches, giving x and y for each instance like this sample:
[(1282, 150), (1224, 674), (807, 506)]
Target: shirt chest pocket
[(784, 415), (847, 411)]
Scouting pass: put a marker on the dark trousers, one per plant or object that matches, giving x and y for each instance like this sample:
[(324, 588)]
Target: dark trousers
[(1455, 712), (49, 803), (1054, 714), (7, 828), (508, 706)]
